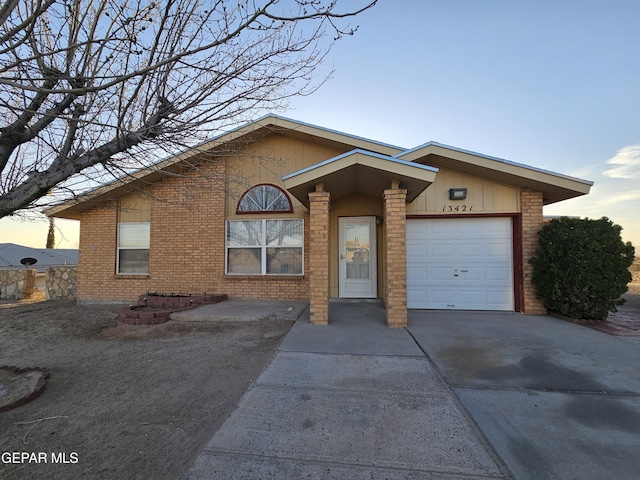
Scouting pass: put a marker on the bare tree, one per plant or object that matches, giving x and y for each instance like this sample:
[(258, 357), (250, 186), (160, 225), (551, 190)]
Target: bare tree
[(90, 89)]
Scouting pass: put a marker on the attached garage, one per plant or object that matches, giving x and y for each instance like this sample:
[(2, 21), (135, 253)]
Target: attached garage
[(460, 263)]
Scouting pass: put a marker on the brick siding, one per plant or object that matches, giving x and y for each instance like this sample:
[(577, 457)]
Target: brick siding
[(532, 220), (395, 273), (319, 257), (187, 249)]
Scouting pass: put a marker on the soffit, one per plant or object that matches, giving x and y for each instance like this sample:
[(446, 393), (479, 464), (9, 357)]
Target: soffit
[(359, 172), (555, 187)]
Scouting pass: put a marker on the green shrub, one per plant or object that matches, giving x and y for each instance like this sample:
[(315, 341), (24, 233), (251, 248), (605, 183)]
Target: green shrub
[(581, 267)]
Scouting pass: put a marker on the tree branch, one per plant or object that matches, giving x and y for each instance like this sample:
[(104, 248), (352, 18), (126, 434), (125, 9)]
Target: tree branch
[(89, 83), (39, 183)]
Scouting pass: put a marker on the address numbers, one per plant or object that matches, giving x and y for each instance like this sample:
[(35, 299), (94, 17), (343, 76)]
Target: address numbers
[(457, 208)]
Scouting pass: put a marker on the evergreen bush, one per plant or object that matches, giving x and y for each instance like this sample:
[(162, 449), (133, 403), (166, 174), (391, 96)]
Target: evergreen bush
[(581, 267)]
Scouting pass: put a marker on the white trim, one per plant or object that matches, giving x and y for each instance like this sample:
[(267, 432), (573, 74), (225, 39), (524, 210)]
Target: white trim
[(119, 249), (263, 247), (363, 289)]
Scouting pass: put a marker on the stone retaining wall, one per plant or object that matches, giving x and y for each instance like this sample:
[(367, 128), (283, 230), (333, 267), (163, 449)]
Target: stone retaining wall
[(62, 282), (11, 284), (21, 284)]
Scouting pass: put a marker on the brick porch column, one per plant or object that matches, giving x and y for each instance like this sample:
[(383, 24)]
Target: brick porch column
[(532, 221), (395, 273), (319, 256)]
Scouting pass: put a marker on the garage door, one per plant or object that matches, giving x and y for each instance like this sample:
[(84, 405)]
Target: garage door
[(463, 264)]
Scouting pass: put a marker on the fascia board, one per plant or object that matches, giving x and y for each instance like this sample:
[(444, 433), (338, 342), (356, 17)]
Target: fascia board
[(357, 156), (491, 163)]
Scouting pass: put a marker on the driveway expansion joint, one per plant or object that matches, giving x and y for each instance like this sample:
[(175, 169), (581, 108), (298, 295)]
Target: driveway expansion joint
[(458, 473), (620, 393)]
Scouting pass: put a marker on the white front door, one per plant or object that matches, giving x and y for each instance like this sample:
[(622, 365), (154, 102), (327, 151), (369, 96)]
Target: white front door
[(357, 253)]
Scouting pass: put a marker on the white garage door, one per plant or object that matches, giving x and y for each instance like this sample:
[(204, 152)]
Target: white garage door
[(463, 264)]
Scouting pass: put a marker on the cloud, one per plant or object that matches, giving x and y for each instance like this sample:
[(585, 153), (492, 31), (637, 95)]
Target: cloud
[(627, 163), (620, 198)]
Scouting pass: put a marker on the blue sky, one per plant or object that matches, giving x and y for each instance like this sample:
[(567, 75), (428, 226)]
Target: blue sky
[(551, 84)]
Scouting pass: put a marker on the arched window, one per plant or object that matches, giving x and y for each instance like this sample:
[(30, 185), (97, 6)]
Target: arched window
[(264, 198)]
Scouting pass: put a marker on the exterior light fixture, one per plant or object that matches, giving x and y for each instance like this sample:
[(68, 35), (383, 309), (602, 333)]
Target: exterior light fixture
[(457, 193)]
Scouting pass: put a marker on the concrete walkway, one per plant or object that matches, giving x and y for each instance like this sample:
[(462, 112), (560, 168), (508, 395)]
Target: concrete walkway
[(354, 400), (456, 395)]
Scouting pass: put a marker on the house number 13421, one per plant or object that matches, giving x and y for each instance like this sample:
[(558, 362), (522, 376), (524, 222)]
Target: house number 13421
[(457, 208)]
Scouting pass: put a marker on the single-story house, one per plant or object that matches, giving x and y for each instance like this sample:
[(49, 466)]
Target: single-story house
[(280, 209)]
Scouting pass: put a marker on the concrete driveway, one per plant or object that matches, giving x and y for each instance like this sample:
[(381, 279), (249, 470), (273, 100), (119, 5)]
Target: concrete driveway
[(456, 395), (554, 399)]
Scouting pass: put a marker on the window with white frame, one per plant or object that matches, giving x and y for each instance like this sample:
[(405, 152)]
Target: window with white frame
[(265, 247), (264, 198), (134, 233)]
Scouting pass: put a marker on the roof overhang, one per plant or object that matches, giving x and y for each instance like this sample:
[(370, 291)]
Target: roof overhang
[(360, 172), (223, 145), (554, 186)]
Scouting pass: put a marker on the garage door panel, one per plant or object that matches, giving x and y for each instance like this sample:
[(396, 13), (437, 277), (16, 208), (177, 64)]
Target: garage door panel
[(460, 264), (497, 298), (441, 298), (418, 274), (444, 298), (417, 252), (499, 251), (501, 276), (470, 298), (465, 228), (416, 230), (440, 229), (470, 275), (440, 274), (474, 250), (440, 250)]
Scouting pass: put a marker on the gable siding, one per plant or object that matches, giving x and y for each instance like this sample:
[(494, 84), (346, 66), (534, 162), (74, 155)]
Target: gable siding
[(267, 162), (483, 196)]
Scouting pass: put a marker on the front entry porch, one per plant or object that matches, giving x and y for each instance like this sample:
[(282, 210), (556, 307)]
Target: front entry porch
[(388, 184)]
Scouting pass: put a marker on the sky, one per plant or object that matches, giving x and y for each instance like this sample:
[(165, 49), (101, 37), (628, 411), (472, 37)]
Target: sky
[(554, 84)]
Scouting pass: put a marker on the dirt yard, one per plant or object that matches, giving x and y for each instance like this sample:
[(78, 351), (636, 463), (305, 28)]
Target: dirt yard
[(123, 401)]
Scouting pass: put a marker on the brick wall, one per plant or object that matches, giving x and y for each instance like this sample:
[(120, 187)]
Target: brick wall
[(187, 249), (395, 273), (97, 256), (319, 257), (532, 220)]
